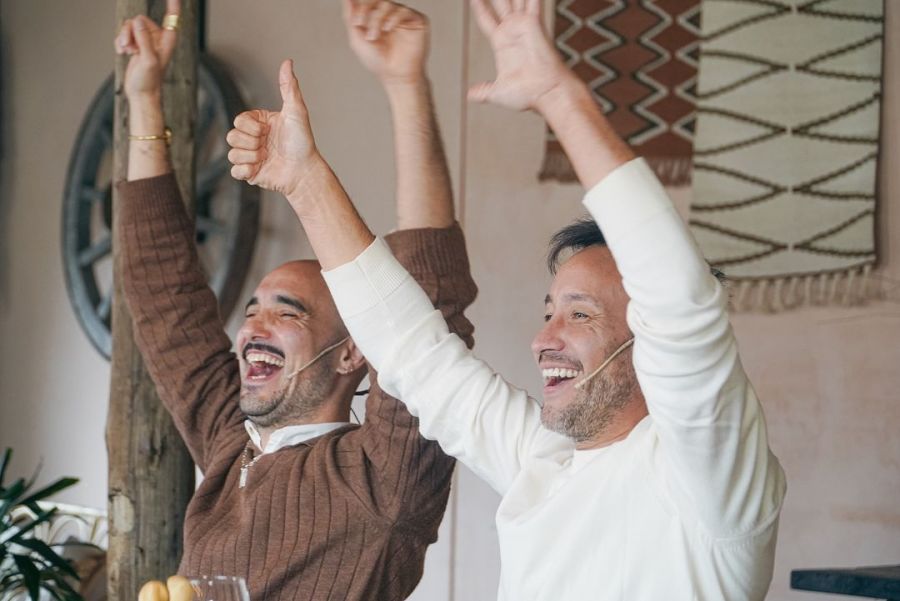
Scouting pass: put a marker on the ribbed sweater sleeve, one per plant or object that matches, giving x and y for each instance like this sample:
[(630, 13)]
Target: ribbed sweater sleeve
[(409, 476), (175, 315)]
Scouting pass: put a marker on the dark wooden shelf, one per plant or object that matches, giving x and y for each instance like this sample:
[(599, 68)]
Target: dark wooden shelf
[(879, 582)]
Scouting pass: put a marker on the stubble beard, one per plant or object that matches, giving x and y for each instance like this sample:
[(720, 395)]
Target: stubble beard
[(595, 405), (289, 406)]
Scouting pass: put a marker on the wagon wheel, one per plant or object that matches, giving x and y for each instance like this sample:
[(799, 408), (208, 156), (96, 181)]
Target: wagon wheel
[(227, 211)]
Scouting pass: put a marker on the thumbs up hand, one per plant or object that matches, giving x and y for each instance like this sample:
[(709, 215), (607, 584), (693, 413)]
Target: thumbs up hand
[(274, 149)]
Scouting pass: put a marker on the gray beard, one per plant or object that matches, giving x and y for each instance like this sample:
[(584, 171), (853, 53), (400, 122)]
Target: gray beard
[(596, 405), (286, 407)]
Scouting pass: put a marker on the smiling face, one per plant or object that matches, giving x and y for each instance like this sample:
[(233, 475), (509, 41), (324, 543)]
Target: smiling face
[(584, 325), (289, 320)]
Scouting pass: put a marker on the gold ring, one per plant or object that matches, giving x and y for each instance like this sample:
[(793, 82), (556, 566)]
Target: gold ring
[(170, 22)]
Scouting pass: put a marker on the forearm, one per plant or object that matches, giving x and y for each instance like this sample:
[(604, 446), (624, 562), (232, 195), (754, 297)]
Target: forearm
[(424, 191), (146, 158), (594, 148), (334, 228)]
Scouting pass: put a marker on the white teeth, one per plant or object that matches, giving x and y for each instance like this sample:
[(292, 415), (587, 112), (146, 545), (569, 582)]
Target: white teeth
[(559, 372), (264, 358)]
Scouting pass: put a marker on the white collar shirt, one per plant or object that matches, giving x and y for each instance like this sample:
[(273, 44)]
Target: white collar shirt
[(289, 435)]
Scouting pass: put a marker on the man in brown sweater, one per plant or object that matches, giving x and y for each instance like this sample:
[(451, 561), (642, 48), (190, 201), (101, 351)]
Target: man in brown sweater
[(298, 501)]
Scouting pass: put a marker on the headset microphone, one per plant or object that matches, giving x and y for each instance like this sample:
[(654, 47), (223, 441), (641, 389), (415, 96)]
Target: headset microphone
[(603, 365), (324, 352)]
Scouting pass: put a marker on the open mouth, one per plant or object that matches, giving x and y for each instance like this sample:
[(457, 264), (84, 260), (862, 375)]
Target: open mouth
[(263, 363), (556, 377)]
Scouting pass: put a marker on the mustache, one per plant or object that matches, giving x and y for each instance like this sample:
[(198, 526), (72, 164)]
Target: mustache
[(259, 346), (557, 357)]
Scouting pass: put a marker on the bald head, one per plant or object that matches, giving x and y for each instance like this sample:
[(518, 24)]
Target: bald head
[(300, 284)]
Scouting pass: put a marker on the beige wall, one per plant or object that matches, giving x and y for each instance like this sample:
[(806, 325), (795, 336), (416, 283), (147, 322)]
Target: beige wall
[(53, 385), (827, 377)]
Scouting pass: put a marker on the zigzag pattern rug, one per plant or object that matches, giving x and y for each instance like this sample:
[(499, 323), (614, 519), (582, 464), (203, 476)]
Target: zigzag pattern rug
[(639, 57), (786, 147)]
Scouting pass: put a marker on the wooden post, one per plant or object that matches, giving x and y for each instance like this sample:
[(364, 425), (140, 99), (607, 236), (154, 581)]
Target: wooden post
[(151, 476)]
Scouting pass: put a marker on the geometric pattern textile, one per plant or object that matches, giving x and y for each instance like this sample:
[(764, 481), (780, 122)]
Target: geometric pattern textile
[(639, 58), (786, 147)]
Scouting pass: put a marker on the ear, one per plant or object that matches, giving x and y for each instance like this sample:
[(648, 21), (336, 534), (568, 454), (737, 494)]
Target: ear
[(350, 358)]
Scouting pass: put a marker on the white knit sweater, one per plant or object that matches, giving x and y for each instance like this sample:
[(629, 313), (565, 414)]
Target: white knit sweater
[(686, 507)]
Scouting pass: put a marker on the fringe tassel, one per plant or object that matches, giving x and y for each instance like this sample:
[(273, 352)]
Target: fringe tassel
[(670, 171), (849, 288), (557, 168)]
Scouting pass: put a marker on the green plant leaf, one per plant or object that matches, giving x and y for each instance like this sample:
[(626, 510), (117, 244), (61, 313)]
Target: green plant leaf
[(59, 590), (18, 534), (31, 575), (50, 489), (49, 555), (26, 563), (4, 463), (10, 582), (10, 496), (60, 583)]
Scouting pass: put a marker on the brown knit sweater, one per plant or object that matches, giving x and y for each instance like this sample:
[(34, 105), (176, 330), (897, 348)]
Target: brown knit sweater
[(347, 515)]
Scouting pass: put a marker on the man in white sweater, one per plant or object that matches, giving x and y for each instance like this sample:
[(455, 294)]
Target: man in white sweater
[(646, 473)]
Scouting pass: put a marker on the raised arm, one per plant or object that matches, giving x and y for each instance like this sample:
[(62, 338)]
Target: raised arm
[(392, 41), (276, 150), (409, 476), (711, 428), (150, 49), (175, 314), (531, 76)]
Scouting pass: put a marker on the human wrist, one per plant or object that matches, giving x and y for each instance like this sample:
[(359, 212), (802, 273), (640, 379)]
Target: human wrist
[(148, 101), (300, 193), (584, 132), (398, 87), (145, 116), (564, 95)]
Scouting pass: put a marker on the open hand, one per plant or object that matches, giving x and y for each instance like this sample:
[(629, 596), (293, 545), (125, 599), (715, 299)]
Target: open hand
[(528, 66), (150, 47), (271, 149), (390, 39)]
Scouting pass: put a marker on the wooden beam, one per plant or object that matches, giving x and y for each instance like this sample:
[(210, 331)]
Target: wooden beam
[(151, 476)]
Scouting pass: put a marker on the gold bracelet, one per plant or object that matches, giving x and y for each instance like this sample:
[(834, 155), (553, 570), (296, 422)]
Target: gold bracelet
[(166, 135)]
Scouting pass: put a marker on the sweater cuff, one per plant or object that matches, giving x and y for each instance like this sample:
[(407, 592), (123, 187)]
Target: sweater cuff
[(625, 199), (151, 197), (431, 251)]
